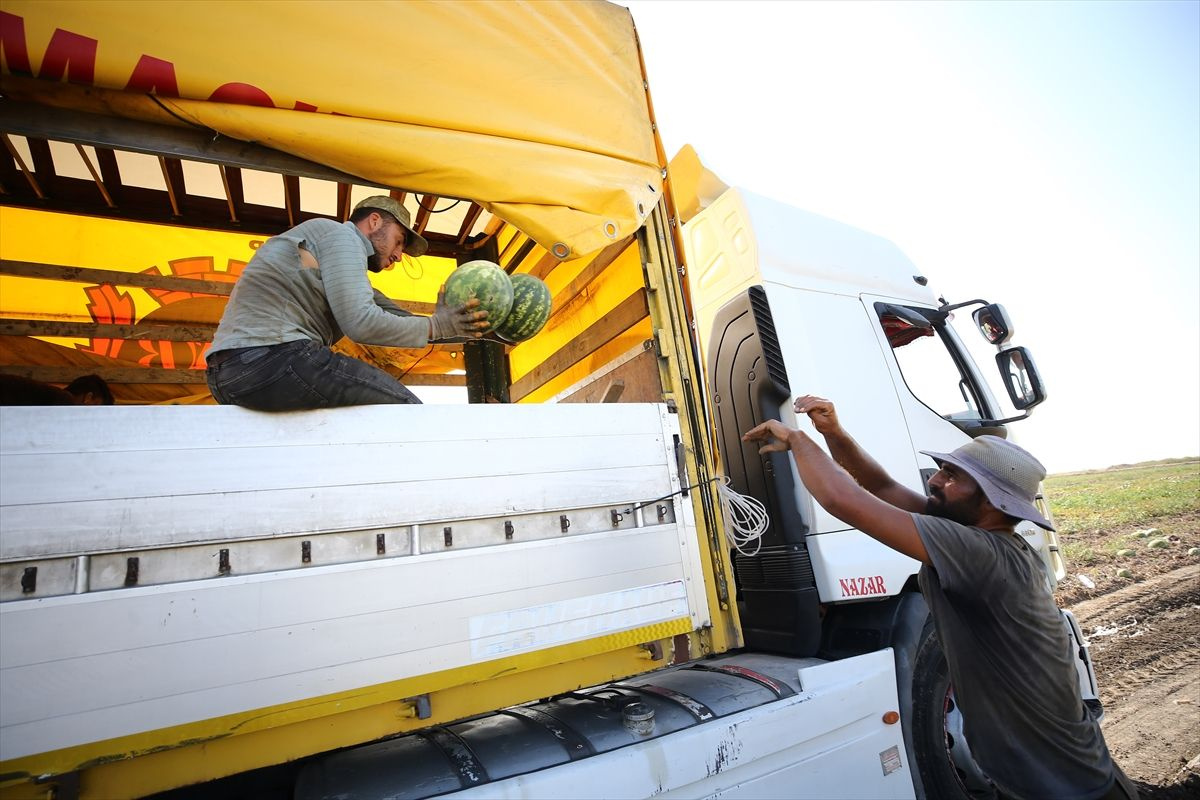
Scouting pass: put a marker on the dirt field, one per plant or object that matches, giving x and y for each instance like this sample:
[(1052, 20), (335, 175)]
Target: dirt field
[(1143, 629)]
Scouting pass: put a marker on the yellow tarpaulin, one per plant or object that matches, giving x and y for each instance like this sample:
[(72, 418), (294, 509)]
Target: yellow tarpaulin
[(537, 111)]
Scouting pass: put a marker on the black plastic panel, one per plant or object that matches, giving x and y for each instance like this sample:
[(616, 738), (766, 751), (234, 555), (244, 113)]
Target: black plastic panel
[(776, 590)]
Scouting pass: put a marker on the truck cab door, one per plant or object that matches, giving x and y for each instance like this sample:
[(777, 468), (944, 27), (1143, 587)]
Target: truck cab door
[(943, 394)]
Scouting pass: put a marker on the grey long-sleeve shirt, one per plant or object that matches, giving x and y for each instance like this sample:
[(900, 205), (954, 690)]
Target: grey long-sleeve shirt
[(277, 299)]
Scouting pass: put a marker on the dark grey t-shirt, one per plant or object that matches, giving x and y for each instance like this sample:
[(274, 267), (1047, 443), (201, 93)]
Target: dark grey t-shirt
[(1011, 664)]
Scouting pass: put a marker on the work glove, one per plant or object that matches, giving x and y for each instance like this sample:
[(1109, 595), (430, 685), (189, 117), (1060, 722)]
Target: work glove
[(451, 323)]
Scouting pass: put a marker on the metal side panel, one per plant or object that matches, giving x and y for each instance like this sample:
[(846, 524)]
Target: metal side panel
[(95, 479), (203, 657), (827, 741), (97, 666)]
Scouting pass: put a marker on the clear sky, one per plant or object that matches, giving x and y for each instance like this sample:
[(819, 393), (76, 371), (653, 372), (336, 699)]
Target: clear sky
[(1045, 155)]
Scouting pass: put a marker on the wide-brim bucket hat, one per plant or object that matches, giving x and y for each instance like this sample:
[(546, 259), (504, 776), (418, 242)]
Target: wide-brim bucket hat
[(1008, 475), (415, 245)]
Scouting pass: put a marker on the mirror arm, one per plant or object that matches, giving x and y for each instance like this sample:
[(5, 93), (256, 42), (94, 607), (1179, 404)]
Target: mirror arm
[(946, 309), (995, 422)]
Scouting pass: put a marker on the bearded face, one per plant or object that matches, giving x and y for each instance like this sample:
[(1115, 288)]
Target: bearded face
[(388, 241), (964, 509)]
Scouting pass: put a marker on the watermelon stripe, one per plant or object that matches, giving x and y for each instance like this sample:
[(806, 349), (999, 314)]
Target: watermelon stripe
[(530, 309), (487, 282)]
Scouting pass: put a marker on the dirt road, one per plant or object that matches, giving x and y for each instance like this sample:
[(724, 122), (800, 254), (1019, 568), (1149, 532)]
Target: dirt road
[(1145, 644)]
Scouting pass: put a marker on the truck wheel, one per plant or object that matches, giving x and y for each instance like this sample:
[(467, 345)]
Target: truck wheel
[(948, 772)]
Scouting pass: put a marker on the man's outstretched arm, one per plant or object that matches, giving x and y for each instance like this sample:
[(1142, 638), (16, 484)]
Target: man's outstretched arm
[(838, 493), (847, 452)]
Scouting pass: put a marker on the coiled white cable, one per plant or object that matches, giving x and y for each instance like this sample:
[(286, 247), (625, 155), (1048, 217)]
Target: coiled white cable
[(746, 519)]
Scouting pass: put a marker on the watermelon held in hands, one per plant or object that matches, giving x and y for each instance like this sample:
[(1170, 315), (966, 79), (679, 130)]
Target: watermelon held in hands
[(530, 309), (485, 281)]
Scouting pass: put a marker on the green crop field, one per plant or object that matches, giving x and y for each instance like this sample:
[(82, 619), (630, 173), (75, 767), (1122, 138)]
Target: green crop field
[(1094, 511)]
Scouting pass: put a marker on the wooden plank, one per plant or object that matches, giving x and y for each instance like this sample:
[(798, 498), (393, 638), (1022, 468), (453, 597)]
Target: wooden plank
[(110, 172), (638, 378), (426, 379), (544, 266), (589, 273), (522, 252), (627, 314), (472, 216), (425, 205), (192, 332), (95, 176), (10, 176), (26, 170), (291, 198), (172, 170), (26, 351), (343, 202), (234, 193), (43, 164), (57, 374), (58, 272), (513, 244)]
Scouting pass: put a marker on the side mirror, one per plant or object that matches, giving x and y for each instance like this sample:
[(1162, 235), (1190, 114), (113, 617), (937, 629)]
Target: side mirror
[(994, 323), (1021, 378)]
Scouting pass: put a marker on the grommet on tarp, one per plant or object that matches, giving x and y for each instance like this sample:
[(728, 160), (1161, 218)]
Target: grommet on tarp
[(560, 250), (610, 229), (638, 719)]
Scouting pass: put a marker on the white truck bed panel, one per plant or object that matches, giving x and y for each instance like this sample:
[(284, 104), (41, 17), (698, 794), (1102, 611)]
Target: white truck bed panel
[(323, 471), (103, 661)]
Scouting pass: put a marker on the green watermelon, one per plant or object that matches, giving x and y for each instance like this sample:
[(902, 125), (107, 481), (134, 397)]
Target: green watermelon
[(486, 281), (530, 309)]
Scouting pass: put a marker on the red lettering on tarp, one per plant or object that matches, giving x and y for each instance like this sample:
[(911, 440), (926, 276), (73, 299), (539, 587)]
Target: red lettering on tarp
[(154, 75), (70, 55), (73, 56), (13, 50), (242, 94)]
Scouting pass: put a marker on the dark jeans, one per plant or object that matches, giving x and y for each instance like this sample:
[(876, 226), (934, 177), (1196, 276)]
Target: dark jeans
[(299, 375)]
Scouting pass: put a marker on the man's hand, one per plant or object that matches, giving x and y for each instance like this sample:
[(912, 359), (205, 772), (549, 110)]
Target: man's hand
[(776, 436), (820, 411), (449, 323)]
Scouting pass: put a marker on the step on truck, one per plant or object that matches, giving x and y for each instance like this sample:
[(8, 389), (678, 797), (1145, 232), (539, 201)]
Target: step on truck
[(531, 585)]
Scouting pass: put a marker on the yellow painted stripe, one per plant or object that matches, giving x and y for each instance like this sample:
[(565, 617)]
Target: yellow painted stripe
[(139, 764)]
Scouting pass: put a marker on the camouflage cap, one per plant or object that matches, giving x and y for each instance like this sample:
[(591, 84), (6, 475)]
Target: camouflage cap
[(416, 244)]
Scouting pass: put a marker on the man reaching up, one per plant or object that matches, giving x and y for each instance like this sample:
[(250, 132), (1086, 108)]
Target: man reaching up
[(1006, 644)]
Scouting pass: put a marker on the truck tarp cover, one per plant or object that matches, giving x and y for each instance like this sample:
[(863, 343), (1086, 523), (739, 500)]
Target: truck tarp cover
[(537, 111)]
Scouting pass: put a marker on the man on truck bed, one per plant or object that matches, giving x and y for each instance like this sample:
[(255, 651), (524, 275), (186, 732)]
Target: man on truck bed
[(1004, 638), (302, 291)]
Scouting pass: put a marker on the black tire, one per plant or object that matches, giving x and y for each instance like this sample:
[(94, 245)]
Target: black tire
[(947, 770)]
